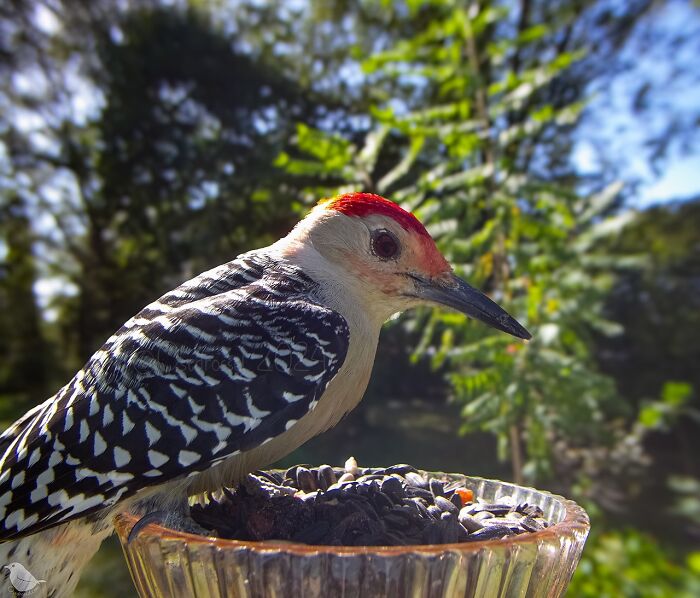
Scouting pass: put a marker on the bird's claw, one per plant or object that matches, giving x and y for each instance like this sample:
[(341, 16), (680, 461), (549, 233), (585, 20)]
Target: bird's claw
[(147, 519), (170, 519)]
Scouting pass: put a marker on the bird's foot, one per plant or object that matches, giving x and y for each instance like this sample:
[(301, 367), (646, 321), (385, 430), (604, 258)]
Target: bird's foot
[(170, 519), (148, 518)]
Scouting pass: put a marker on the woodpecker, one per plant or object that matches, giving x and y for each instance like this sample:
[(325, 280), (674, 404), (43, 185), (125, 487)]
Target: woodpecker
[(219, 377)]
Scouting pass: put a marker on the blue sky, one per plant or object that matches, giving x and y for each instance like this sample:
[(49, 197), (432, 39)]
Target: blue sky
[(613, 131)]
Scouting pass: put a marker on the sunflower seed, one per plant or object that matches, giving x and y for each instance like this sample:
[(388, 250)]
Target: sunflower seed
[(445, 505), (382, 501), (291, 473), (471, 524), (308, 496), (531, 524), (531, 510), (391, 485), (417, 480), (434, 511), (420, 493), (355, 506), (481, 515), (306, 480), (491, 533), (326, 476), (401, 469), (437, 488), (497, 509), (420, 507)]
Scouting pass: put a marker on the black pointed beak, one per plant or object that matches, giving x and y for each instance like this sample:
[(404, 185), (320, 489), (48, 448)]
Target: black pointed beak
[(455, 293)]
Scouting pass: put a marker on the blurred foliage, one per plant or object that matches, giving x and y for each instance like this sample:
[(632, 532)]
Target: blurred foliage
[(477, 103), (687, 506), (663, 295), (23, 352), (629, 563), (161, 166), (143, 142)]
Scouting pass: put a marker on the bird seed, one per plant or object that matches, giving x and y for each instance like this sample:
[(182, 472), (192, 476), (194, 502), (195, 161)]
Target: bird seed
[(355, 506)]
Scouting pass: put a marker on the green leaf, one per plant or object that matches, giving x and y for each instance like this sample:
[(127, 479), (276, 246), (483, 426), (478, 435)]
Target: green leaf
[(533, 33), (676, 394), (650, 416), (694, 562)]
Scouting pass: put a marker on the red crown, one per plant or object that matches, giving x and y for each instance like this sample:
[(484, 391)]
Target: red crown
[(365, 204)]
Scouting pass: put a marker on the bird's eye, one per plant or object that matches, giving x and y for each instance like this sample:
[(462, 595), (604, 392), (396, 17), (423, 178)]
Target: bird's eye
[(384, 244)]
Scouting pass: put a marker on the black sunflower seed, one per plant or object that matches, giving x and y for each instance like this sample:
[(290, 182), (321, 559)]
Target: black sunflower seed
[(491, 533), (401, 469), (437, 488), (417, 480), (325, 476), (496, 509), (434, 511), (306, 480), (470, 523), (445, 505), (420, 493), (531, 524), (382, 501), (531, 510), (396, 505), (392, 486)]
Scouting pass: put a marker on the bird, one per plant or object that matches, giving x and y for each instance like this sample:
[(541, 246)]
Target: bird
[(225, 374), (22, 580)]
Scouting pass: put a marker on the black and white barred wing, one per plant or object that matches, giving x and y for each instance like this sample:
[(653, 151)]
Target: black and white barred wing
[(166, 397)]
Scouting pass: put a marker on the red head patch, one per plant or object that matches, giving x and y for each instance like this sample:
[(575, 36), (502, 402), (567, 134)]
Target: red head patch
[(364, 204), (430, 260)]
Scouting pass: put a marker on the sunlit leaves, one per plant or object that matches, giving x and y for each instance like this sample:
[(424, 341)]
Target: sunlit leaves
[(533, 33), (630, 563), (331, 154), (459, 138)]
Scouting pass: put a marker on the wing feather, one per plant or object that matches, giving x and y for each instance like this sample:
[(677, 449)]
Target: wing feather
[(193, 379)]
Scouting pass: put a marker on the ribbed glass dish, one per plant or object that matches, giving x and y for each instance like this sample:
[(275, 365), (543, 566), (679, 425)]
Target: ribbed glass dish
[(173, 564)]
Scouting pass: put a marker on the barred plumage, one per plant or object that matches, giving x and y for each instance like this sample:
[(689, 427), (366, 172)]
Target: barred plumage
[(219, 365)]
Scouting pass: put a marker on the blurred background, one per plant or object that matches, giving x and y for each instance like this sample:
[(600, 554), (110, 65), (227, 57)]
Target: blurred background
[(552, 147)]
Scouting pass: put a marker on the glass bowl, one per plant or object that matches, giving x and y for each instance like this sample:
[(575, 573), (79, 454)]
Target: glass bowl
[(169, 563)]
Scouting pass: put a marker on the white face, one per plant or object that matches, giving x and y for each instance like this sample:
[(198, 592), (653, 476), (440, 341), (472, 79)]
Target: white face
[(378, 252)]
